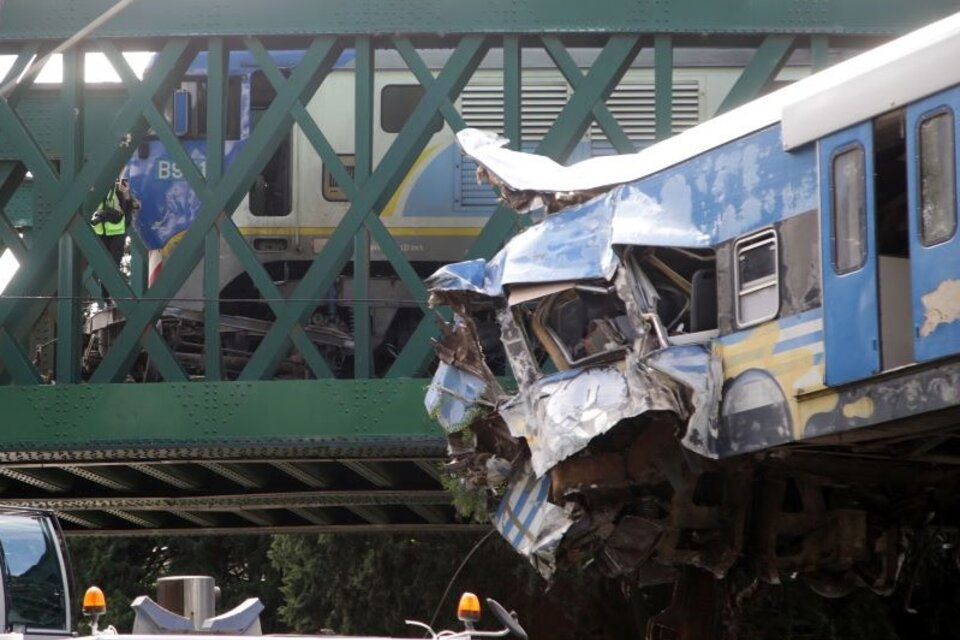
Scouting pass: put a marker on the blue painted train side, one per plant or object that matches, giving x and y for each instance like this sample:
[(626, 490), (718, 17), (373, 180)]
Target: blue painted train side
[(782, 281)]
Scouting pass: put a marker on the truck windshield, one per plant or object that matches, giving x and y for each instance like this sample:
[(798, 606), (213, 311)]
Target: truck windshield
[(36, 596)]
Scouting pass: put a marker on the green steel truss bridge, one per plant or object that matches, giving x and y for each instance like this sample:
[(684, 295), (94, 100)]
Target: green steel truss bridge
[(253, 453)]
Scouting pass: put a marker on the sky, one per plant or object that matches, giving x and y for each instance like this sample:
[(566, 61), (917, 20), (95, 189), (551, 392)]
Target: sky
[(97, 70)]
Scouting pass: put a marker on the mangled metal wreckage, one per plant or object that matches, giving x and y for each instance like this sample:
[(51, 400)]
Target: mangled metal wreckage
[(612, 429)]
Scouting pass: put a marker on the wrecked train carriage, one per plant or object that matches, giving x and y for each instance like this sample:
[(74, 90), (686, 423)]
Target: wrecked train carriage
[(589, 352), (774, 282)]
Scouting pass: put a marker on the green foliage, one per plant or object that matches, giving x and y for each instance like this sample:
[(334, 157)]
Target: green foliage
[(128, 567), (123, 567), (370, 583), (472, 504), (793, 612)]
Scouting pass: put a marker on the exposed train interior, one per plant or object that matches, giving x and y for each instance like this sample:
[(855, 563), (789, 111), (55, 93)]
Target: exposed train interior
[(575, 324), (892, 240), (686, 284)]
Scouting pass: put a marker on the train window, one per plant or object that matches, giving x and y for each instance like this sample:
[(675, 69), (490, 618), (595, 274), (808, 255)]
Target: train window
[(938, 211), (849, 210), (757, 277), (397, 103), (271, 193)]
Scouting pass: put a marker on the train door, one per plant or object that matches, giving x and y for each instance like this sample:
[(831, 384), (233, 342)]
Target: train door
[(847, 228), (934, 242)]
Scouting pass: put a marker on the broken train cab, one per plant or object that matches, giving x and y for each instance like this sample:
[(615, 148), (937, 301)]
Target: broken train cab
[(782, 281)]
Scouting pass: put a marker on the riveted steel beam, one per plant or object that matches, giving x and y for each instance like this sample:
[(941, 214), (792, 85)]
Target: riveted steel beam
[(313, 516), (429, 513), (104, 161), (240, 501), (570, 70), (145, 521), (36, 478), (663, 92), (398, 159), (271, 294), (199, 519), (373, 472), (363, 167), (310, 474), (218, 421), (388, 245), (317, 61), (152, 18), (11, 176), (238, 474), (372, 514), (259, 518), (111, 478), (168, 474), (81, 520), (286, 529), (763, 68), (217, 66), (429, 467), (564, 133)]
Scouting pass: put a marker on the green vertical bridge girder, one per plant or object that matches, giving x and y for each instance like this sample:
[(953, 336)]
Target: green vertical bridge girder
[(321, 454)]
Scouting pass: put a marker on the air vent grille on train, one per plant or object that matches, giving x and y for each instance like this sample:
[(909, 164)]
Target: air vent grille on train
[(632, 105)]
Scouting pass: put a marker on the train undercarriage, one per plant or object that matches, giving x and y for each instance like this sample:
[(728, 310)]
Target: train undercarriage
[(245, 318), (838, 514)]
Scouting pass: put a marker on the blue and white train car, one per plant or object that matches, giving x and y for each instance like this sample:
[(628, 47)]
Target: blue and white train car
[(781, 281)]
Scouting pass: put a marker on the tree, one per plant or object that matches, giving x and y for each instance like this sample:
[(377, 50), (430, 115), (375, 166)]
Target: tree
[(368, 584), (128, 567), (123, 567)]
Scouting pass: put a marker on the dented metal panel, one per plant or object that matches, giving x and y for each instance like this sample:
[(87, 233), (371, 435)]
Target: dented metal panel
[(453, 397), (629, 375), (561, 413), (530, 522), (574, 246), (698, 368)]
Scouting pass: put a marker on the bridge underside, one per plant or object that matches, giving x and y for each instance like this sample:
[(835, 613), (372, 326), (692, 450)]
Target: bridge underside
[(227, 458), (239, 450)]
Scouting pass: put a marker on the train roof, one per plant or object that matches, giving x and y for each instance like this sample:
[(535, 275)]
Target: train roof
[(882, 79)]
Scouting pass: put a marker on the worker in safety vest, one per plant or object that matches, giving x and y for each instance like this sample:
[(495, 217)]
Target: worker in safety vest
[(111, 220)]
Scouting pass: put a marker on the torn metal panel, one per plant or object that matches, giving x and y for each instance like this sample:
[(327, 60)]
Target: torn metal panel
[(515, 344), (521, 293), (454, 397), (462, 387), (530, 522), (466, 277), (560, 414), (699, 369), (639, 220), (574, 245)]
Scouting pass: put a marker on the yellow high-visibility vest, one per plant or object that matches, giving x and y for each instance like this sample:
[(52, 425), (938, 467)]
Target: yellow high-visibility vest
[(111, 201)]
